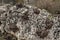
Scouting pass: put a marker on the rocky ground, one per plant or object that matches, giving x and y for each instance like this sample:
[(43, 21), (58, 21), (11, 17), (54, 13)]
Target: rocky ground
[(25, 22)]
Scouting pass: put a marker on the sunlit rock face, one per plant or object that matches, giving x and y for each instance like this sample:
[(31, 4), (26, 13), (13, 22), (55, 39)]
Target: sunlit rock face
[(27, 22)]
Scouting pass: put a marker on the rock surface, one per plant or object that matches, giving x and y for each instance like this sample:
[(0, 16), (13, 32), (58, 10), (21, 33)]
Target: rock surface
[(28, 23)]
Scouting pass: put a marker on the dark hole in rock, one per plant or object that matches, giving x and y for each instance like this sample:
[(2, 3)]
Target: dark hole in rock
[(36, 11), (13, 27), (1, 12), (5, 14), (25, 16), (49, 24), (0, 23), (19, 5), (4, 33), (58, 12), (10, 11), (59, 25), (10, 37), (8, 7), (42, 33), (59, 18), (56, 34)]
